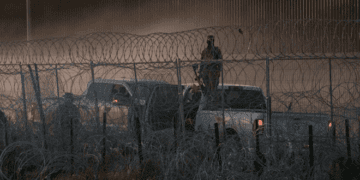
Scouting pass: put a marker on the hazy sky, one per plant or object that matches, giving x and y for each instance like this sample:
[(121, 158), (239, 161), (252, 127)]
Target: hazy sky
[(55, 17), (58, 18)]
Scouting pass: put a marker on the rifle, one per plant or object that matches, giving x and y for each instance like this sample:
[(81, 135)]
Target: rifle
[(195, 67)]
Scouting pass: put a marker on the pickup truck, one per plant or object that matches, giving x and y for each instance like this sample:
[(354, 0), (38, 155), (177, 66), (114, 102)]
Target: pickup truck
[(153, 100), (156, 102), (243, 107)]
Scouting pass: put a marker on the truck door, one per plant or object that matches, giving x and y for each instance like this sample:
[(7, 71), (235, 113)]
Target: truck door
[(163, 106), (101, 91)]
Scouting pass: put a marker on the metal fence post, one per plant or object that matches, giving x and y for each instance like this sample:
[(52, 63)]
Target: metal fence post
[(96, 100), (42, 115), (332, 107), (25, 118), (268, 108), (222, 99), (57, 81), (71, 144), (357, 118), (180, 92), (38, 97), (311, 149), (175, 134), (348, 147), (104, 140), (137, 121), (217, 145)]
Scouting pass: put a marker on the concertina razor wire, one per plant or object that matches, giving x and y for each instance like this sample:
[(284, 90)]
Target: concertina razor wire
[(287, 39), (299, 53)]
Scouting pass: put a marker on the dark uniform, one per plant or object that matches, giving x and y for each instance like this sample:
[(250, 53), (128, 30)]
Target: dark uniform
[(34, 113), (65, 112), (210, 68), (3, 125)]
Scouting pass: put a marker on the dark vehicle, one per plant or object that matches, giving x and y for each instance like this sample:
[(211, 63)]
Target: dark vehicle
[(155, 102)]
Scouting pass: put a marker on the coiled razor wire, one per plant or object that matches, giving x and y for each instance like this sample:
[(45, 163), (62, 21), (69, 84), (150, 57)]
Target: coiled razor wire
[(287, 39), (155, 54), (299, 55)]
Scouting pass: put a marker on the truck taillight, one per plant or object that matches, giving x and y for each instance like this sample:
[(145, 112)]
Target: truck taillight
[(258, 126), (329, 125)]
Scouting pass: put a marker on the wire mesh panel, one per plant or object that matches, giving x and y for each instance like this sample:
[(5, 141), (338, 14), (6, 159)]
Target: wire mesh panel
[(149, 93)]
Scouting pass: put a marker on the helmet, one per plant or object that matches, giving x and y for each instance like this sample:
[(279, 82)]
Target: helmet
[(69, 96), (210, 38)]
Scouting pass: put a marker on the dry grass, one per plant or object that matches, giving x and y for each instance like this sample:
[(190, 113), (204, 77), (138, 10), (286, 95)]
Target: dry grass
[(194, 158), (149, 170)]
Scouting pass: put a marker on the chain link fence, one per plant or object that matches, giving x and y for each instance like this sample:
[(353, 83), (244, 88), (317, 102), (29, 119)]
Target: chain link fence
[(312, 71)]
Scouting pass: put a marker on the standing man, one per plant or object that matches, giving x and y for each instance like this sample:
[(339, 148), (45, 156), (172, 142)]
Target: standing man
[(65, 113), (34, 112), (210, 68), (4, 126)]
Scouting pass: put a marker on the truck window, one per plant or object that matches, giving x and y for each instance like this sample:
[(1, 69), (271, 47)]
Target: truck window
[(103, 91), (238, 99), (120, 95), (120, 89)]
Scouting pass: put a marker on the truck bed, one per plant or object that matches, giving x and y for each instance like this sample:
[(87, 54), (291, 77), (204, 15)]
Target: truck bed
[(295, 126)]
